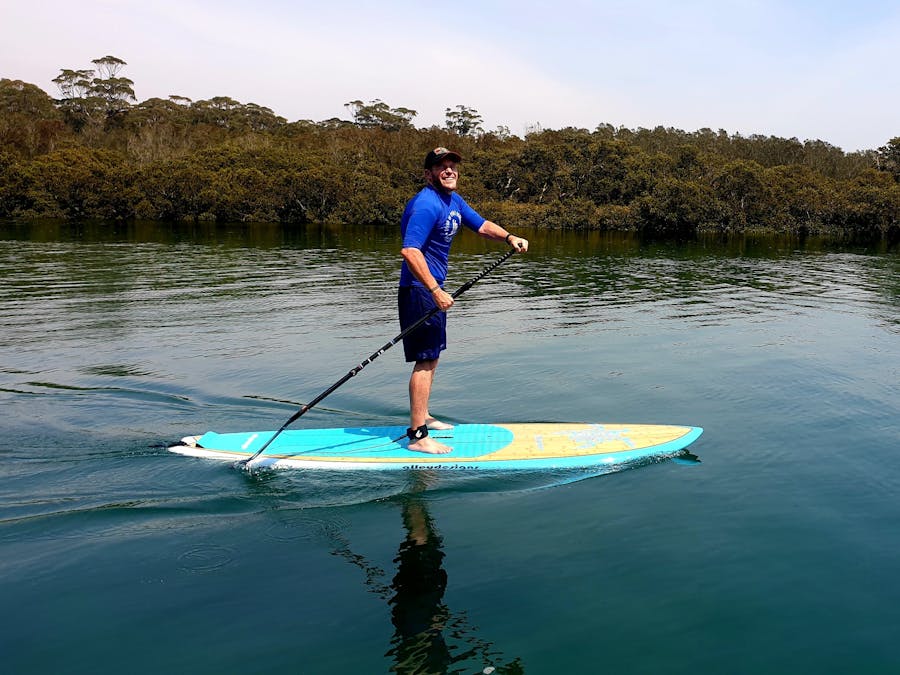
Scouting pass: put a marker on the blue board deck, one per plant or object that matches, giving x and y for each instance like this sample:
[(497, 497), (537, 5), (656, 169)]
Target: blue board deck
[(475, 446)]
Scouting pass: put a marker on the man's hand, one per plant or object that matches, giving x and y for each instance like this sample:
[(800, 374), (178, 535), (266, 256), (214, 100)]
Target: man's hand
[(521, 245), (442, 299)]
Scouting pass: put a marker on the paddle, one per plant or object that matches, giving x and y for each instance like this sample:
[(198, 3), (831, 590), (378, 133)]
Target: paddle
[(353, 371)]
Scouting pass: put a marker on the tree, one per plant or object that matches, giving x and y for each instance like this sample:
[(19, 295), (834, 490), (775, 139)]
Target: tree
[(744, 194), (29, 122), (222, 159), (464, 121), (377, 113), (78, 182), (109, 65), (73, 84), (13, 187), (114, 91), (801, 196), (225, 112), (676, 207), (88, 100), (889, 157)]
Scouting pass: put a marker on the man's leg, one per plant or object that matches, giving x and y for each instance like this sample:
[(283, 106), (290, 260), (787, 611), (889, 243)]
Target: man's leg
[(419, 392)]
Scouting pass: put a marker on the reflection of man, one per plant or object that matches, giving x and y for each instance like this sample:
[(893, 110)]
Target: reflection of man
[(417, 610), (430, 221)]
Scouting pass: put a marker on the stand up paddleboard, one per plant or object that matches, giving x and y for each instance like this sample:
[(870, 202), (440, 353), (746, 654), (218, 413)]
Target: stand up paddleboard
[(475, 446)]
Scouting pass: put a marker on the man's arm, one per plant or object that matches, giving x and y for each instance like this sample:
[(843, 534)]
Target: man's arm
[(493, 231)]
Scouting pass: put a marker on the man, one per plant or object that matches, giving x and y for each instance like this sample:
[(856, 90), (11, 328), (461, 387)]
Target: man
[(430, 221)]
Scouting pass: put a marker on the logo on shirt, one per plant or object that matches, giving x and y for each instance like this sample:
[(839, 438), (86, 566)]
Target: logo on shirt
[(451, 225)]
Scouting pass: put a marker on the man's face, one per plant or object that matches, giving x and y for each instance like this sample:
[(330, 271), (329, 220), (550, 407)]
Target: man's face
[(444, 175)]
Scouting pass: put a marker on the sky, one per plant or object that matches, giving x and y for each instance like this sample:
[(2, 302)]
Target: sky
[(824, 70)]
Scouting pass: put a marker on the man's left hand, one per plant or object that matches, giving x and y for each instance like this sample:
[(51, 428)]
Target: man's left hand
[(521, 245)]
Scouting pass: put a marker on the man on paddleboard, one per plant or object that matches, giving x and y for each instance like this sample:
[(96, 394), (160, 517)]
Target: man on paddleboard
[(430, 221)]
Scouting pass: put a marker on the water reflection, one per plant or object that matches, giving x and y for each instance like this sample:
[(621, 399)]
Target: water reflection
[(428, 638), (418, 612), (423, 623), (554, 243)]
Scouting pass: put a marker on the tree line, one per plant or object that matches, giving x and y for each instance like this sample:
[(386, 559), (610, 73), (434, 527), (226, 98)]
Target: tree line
[(97, 153)]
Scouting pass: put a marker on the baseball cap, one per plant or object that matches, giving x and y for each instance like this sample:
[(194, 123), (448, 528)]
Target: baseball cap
[(438, 154)]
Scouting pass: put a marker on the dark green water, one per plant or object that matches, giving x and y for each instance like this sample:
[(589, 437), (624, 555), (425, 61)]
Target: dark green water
[(777, 553)]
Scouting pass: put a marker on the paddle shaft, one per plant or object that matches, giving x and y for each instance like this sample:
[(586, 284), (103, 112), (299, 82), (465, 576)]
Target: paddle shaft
[(387, 345)]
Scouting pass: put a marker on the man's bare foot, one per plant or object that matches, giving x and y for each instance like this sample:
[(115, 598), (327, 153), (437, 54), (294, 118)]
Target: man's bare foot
[(436, 425), (430, 446)]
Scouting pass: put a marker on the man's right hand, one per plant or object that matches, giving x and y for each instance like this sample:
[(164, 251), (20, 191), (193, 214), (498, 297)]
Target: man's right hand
[(442, 299)]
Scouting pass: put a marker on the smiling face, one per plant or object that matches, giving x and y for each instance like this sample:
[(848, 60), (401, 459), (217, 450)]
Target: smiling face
[(443, 175)]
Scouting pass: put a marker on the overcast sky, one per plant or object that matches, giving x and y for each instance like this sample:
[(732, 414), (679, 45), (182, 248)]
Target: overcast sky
[(818, 69)]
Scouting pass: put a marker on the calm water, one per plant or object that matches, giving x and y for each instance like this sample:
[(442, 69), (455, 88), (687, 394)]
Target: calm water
[(778, 552)]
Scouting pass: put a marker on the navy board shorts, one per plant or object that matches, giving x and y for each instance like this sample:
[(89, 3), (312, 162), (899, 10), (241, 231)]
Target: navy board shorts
[(427, 341)]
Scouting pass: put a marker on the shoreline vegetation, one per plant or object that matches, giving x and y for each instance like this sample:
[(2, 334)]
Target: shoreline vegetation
[(96, 153)]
